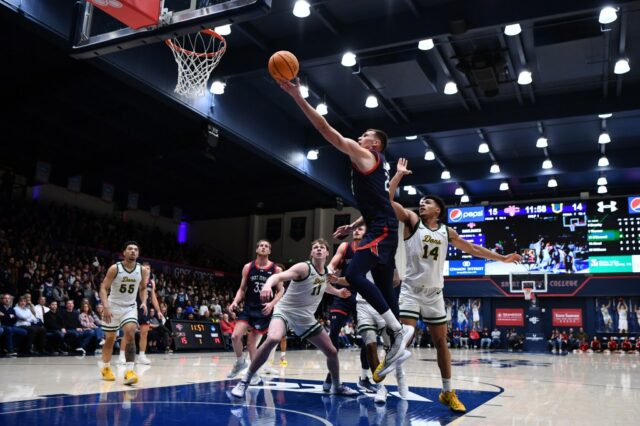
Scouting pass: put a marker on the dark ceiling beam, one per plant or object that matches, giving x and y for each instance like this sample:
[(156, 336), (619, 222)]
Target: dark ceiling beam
[(622, 48), (449, 74), (328, 20), (512, 69), (413, 7), (548, 107), (250, 32), (372, 35)]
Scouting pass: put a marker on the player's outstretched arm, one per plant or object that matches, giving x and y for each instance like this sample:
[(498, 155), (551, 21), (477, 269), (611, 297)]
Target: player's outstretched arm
[(404, 215), (295, 273), (479, 251), (360, 156), (344, 230), (343, 293)]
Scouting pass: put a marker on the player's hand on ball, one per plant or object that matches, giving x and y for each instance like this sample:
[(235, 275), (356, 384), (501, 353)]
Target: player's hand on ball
[(291, 87), (344, 293), (513, 258)]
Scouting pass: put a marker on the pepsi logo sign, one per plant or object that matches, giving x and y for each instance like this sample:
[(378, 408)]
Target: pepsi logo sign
[(634, 205), (466, 214), (455, 215)]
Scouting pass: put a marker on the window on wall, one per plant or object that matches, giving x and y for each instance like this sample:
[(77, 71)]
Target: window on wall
[(298, 228)]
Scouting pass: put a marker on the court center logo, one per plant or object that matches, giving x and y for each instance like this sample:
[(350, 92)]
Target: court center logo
[(466, 214), (634, 205)]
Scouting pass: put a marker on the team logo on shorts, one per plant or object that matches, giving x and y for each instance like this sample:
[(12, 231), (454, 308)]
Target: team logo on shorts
[(634, 205)]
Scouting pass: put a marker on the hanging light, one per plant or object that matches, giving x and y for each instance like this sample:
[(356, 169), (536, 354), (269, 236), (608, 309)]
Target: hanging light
[(223, 30), (450, 88), (602, 180), (464, 198), (429, 155), (547, 164), (542, 142), (603, 161), (372, 102), (608, 15), (411, 190), (301, 9), (504, 186), (445, 175), (606, 115), (304, 91), (426, 44), (348, 59), (411, 137), (524, 77), (459, 191), (552, 183), (483, 148), (495, 168), (604, 138), (512, 30), (602, 189), (322, 108), (312, 154), (217, 87), (622, 66)]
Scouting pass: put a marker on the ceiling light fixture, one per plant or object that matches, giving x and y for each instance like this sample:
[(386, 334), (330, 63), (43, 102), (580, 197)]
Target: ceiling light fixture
[(450, 88), (512, 30), (602, 189), (552, 183), (547, 164), (604, 138), (304, 91), (602, 180), (622, 66), (608, 14), (429, 155), (542, 142), (348, 59), (525, 78), (445, 175), (483, 148), (217, 87), (603, 161), (504, 186), (372, 102), (322, 108), (301, 9), (411, 190), (495, 168), (312, 154), (426, 44), (607, 115), (464, 198), (459, 191), (411, 137), (223, 30)]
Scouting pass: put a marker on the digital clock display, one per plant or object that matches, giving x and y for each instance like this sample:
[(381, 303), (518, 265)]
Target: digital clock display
[(196, 335)]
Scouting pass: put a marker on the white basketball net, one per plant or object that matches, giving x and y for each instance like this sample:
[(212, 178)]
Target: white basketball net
[(527, 293), (196, 55)]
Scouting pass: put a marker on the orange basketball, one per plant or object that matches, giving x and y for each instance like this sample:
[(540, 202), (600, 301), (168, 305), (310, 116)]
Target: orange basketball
[(283, 65)]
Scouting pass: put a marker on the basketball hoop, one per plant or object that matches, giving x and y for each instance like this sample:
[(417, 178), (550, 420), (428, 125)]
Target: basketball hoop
[(196, 55), (528, 293)]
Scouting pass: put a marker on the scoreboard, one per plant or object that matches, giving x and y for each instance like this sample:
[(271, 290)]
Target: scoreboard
[(595, 236), (196, 335)]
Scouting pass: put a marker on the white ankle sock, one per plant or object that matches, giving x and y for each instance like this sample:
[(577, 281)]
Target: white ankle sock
[(446, 385), (364, 374), (391, 320)]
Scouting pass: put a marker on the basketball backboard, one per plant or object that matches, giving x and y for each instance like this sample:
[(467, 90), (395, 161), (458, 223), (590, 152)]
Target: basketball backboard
[(98, 33), (537, 281)]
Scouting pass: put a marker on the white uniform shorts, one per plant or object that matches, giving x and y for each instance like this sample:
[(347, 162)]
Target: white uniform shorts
[(121, 315), (426, 303), (368, 318), (302, 324)]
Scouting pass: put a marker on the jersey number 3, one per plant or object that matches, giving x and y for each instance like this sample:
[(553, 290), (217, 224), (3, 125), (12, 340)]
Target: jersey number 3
[(127, 288), (433, 252)]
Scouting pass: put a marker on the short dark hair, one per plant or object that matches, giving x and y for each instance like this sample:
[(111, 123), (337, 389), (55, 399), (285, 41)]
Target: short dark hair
[(130, 243), (382, 136), (439, 202)]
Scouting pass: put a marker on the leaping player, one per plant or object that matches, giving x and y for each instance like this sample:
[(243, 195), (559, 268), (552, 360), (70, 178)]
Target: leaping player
[(426, 240), (123, 281)]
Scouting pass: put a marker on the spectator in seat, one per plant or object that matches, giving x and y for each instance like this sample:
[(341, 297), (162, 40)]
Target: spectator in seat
[(594, 345), (36, 334), (612, 346), (464, 338), (227, 326), (60, 294), (474, 338), (457, 335), (584, 346), (40, 309), (485, 342), (626, 345), (581, 335), (88, 322), (496, 338), (637, 346), (55, 328), (80, 338)]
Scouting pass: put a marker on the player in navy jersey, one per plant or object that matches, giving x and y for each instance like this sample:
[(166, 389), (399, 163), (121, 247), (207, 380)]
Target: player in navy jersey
[(256, 315), (370, 186), (341, 309)]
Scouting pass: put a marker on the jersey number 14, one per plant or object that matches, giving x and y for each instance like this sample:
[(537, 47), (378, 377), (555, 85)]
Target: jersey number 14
[(430, 253)]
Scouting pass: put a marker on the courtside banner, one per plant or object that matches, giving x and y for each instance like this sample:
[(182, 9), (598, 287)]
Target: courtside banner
[(510, 317), (566, 317)]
